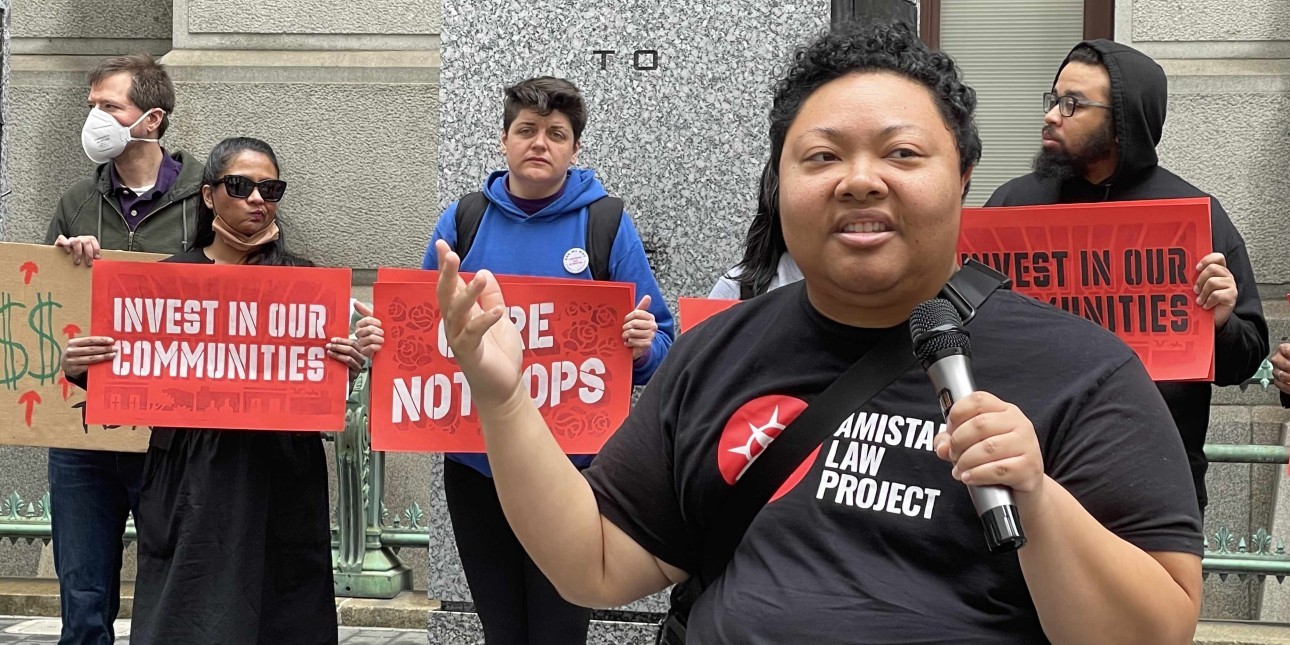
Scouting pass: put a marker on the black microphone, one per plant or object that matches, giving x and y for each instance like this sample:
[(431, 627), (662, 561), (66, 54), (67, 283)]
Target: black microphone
[(943, 346)]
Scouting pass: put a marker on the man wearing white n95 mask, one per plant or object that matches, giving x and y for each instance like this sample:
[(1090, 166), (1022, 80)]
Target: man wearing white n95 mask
[(139, 198)]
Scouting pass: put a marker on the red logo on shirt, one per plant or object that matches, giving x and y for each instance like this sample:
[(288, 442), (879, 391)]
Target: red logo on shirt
[(751, 429)]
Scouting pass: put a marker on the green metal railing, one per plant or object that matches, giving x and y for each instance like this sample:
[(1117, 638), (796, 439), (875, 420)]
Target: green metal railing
[(365, 548), (1227, 553)]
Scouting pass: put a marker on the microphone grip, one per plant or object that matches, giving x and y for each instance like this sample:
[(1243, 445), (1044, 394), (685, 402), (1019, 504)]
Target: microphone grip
[(952, 378)]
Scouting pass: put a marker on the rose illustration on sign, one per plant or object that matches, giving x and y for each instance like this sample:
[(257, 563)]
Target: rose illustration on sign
[(600, 425), (580, 336), (576, 422), (577, 309), (571, 423), (423, 317), (398, 310), (604, 316), (412, 352)]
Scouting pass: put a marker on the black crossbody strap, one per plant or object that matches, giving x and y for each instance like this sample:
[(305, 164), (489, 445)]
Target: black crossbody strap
[(890, 358)]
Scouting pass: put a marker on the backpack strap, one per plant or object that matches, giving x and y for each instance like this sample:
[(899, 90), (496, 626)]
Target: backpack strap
[(604, 216), (470, 212), (971, 285)]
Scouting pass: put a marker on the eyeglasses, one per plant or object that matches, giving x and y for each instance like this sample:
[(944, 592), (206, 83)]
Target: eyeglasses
[(1068, 103), (271, 190)]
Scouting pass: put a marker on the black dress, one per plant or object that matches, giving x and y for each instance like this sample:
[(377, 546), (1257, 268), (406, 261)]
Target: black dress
[(234, 537)]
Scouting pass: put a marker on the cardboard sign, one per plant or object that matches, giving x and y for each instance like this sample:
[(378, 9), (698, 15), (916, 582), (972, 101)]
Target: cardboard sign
[(576, 367), (696, 310), (45, 300), (1127, 266), (228, 347)]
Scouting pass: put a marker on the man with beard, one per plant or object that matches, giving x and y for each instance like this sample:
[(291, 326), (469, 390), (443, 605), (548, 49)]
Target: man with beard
[(1103, 120)]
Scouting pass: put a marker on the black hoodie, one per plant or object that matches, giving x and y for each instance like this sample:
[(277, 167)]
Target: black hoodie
[(1138, 96)]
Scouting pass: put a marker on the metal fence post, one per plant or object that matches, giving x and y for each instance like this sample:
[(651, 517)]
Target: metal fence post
[(363, 566)]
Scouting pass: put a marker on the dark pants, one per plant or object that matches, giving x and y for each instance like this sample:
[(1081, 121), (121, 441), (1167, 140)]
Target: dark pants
[(90, 494), (516, 604)]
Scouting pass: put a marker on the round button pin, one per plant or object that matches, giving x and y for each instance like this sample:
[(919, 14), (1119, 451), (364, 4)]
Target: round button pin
[(576, 260)]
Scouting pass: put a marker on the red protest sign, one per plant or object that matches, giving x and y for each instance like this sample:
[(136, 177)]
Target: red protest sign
[(230, 346), (696, 310), (576, 367), (1127, 266)]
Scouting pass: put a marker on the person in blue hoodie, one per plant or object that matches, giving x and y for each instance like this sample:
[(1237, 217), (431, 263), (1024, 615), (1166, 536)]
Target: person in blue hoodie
[(536, 223)]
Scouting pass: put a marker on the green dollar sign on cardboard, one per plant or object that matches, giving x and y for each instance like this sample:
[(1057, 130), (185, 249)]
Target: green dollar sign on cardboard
[(9, 349), (41, 320)]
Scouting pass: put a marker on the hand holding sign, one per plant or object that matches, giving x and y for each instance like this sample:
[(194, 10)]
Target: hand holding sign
[(1215, 287), (346, 351), (639, 329), (85, 351), (84, 249), (1281, 367), (368, 332), (488, 353)]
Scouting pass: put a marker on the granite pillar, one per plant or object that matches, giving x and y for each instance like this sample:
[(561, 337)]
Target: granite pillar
[(678, 95)]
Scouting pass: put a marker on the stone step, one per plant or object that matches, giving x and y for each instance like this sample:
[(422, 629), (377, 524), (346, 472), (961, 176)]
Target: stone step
[(1235, 632), (38, 597)]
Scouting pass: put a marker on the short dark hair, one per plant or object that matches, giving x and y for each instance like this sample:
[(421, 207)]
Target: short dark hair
[(848, 48), (272, 253), (150, 86), (1084, 53), (544, 95)]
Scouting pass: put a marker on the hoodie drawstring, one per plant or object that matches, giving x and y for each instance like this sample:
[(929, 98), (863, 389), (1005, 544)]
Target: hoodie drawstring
[(101, 220), (183, 216)]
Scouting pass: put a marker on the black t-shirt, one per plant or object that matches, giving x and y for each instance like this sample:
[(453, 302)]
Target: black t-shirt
[(873, 541)]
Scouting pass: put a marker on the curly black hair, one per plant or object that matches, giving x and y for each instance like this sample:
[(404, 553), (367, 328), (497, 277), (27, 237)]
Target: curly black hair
[(848, 48)]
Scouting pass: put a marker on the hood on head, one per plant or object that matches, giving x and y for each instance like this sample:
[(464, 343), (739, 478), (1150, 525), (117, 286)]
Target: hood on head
[(1139, 94)]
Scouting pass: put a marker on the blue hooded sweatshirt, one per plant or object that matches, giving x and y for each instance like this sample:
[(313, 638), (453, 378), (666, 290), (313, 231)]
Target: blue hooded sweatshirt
[(514, 243)]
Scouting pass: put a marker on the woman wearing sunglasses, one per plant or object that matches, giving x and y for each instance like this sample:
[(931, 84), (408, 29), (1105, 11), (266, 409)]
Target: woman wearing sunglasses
[(233, 528)]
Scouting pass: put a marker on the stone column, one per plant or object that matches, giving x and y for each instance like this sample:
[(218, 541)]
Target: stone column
[(1229, 89), (678, 95), (4, 109), (346, 92), (51, 44)]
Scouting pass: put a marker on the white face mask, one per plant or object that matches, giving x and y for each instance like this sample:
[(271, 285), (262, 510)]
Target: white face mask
[(104, 138)]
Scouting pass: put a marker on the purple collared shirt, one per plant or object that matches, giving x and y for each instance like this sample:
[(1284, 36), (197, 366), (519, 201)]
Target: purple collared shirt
[(134, 206)]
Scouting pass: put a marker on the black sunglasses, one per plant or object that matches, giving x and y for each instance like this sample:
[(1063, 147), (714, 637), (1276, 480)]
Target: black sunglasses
[(271, 190)]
